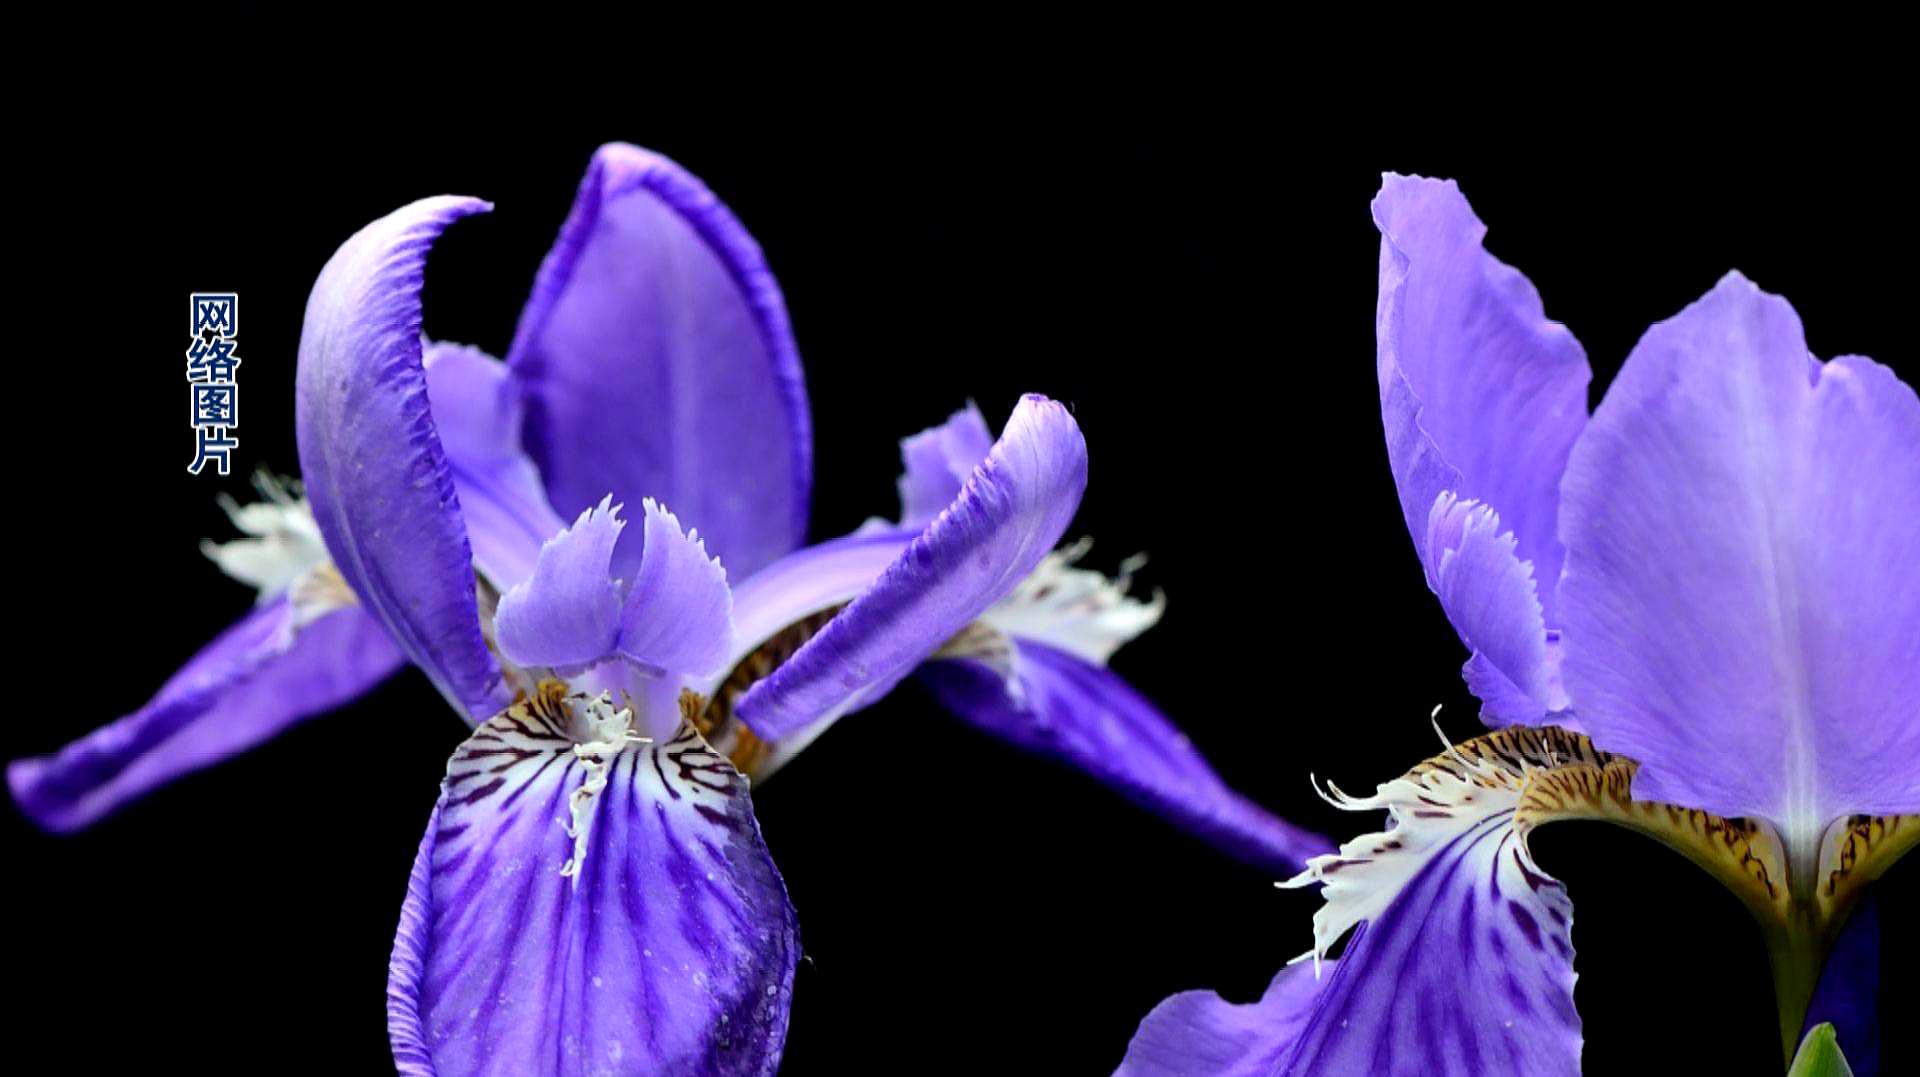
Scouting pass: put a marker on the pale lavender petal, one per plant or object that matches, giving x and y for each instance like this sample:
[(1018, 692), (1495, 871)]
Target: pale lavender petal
[(254, 680), (379, 481), (1741, 603), (659, 363), (1089, 718), (1481, 398), (673, 951), (678, 614), (567, 614), (1468, 971), (1200, 1034), (1011, 512), (478, 412), (937, 461)]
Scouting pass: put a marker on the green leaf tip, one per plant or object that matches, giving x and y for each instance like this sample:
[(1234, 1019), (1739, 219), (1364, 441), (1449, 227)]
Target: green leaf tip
[(1819, 1055)]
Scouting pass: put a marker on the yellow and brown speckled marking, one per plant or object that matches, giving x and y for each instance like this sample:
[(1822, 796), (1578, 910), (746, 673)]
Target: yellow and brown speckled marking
[(1857, 852), (1745, 856), (1559, 774), (730, 736)]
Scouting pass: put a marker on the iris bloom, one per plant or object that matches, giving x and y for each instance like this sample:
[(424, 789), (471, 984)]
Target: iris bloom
[(1713, 577), (592, 894)]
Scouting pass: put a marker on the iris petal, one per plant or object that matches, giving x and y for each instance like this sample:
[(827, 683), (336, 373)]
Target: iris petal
[(1463, 959), (1741, 607), (672, 950), (1085, 715), (679, 613), (254, 680), (1481, 398), (477, 411), (381, 487), (1009, 515), (1200, 1034), (936, 463), (567, 614), (659, 363), (1486, 589)]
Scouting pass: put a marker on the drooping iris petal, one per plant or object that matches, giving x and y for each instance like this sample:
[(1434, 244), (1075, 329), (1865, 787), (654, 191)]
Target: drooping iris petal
[(1741, 605), (477, 411), (254, 680), (672, 949), (1200, 1034), (1469, 972), (659, 363), (1481, 398), (1082, 713), (1009, 515), (937, 461), (567, 615), (1463, 960), (375, 471)]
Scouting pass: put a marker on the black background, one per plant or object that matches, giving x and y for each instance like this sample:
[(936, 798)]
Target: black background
[(1202, 293)]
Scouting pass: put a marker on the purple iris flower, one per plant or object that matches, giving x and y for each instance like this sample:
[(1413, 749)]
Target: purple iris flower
[(1713, 577), (592, 893)]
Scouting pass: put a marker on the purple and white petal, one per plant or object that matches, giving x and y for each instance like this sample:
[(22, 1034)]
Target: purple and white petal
[(1200, 1034), (658, 363), (1741, 606), (1010, 514), (936, 463), (668, 945), (381, 488), (1463, 961), (1481, 398), (678, 613), (477, 410), (567, 614), (264, 674), (1081, 713)]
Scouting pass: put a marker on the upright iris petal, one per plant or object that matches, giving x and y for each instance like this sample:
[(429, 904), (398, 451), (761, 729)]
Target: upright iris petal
[(1481, 398), (658, 362), (1742, 602), (391, 518)]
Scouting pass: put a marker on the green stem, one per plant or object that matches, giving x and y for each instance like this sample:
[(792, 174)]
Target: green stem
[(1797, 951)]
